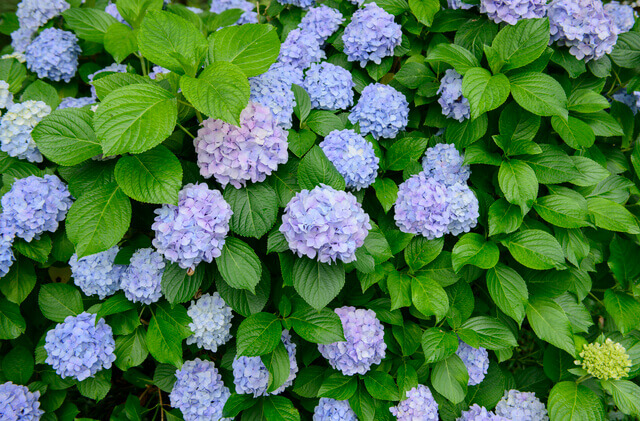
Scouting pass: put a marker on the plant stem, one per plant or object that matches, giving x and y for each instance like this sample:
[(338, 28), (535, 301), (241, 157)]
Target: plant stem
[(186, 131)]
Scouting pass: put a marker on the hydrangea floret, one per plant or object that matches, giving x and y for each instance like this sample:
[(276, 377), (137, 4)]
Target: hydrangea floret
[(479, 413), (511, 11), (273, 90), (371, 35), (287, 73), (419, 405), (21, 38), (54, 55), (71, 102), (330, 87), (303, 4), (300, 49), (16, 126), (17, 403), (459, 4), (32, 14), (321, 21), (6, 96), (211, 322), (249, 15), (97, 274), (141, 282), (476, 360), (7, 235), (623, 16), (445, 164), (522, 406), (608, 360), (454, 104), (333, 410), (381, 111), (353, 156), (112, 9)]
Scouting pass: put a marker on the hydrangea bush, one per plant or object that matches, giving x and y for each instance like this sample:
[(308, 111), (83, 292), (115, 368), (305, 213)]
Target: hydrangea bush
[(323, 210)]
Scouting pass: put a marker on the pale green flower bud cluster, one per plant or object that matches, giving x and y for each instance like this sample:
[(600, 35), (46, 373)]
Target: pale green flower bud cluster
[(608, 360)]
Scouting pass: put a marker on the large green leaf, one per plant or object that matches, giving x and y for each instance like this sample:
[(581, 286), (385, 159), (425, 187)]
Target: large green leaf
[(438, 344), (19, 282), (179, 285), (508, 290), (574, 402), (320, 327), (167, 329), (133, 11), (239, 265), (535, 249), (625, 394), (258, 334), (57, 301), (539, 93), (473, 249), (518, 45), (612, 216), (562, 210), (429, 297), (487, 332), (551, 324), (120, 41), (626, 52), (315, 169), (449, 378), (575, 133), (484, 92), (459, 57), (131, 350), (421, 251), (251, 47), (12, 324), (278, 365), (317, 283), (424, 10), (88, 24), (624, 309), (255, 208), (518, 182)]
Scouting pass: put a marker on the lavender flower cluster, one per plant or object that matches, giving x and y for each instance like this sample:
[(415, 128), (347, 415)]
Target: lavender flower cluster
[(333, 410), (6, 96), (250, 375), (211, 322), (54, 55), (17, 403), (364, 345), (511, 11), (303, 4), (71, 102), (444, 163), (476, 360), (381, 111), (16, 126), (419, 405), (480, 413), (79, 347), (249, 152), (7, 235), (371, 35), (622, 15), (330, 87), (195, 229), (459, 4), (199, 392), (141, 281), (454, 104), (249, 16), (273, 90), (521, 406), (353, 156), (32, 14), (325, 224), (322, 22), (97, 274), (300, 49)]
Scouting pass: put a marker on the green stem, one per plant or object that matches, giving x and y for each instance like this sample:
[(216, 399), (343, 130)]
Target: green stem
[(199, 116), (144, 65), (186, 131), (596, 298)]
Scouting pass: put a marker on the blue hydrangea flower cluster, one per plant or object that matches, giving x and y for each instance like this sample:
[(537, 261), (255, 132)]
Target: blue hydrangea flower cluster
[(35, 205), (32, 14), (521, 406), (333, 410), (287, 73), (419, 405), (322, 21), (583, 26), (325, 224), (6, 97), (300, 49), (97, 274), (364, 345), (250, 152), (622, 15), (199, 391), (21, 38), (432, 209), (479, 413), (330, 87), (250, 375), (249, 16), (7, 235), (114, 68), (353, 156), (631, 100), (16, 126), (444, 163), (476, 360), (157, 73), (211, 322), (71, 102), (371, 35), (79, 347), (459, 4), (195, 229), (54, 55), (454, 104), (511, 11), (17, 403), (303, 4), (141, 282), (273, 90), (381, 111)]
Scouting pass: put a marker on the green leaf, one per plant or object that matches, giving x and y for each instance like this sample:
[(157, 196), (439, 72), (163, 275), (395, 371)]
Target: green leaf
[(588, 172), (251, 47), (567, 61), (177, 285), (508, 290), (302, 107), (14, 73), (602, 123), (386, 192), (381, 386), (308, 382), (114, 305), (338, 386), (517, 45), (574, 402), (19, 282), (135, 118), (504, 217), (612, 216), (279, 408), (535, 249), (109, 83), (323, 122), (12, 324), (255, 209), (395, 7), (578, 315), (17, 365), (133, 11), (413, 74), (221, 91), (258, 334), (239, 265), (484, 92), (98, 219), (518, 182), (317, 283), (552, 166), (120, 41), (551, 324), (237, 403), (458, 57), (626, 52), (278, 366), (319, 327), (624, 309), (575, 133), (562, 210), (154, 176), (587, 101), (517, 124), (164, 377), (131, 350), (96, 387), (487, 332), (429, 297), (172, 42), (438, 344), (424, 10), (404, 151), (285, 181), (399, 285), (315, 169), (449, 378), (88, 24), (41, 91), (57, 301), (539, 93), (465, 133), (420, 251), (473, 249), (407, 334), (167, 329), (301, 141), (362, 403), (243, 301), (625, 395)]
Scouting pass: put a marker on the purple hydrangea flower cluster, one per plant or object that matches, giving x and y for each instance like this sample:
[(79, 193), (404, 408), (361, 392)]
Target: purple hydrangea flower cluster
[(195, 229), (353, 156), (583, 26), (521, 406), (250, 375), (6, 97), (381, 111), (479, 413), (71, 102), (476, 360), (622, 15), (511, 11), (16, 126), (97, 274), (141, 282), (419, 405), (325, 224), (459, 4), (322, 21), (249, 152), (371, 35), (330, 87), (444, 163), (17, 403), (211, 322), (273, 90), (113, 68), (157, 73), (54, 55), (79, 347), (287, 73), (249, 16), (32, 14), (631, 100), (333, 410), (35, 205), (432, 209), (7, 235), (199, 391), (364, 345), (454, 104), (300, 49), (112, 9), (303, 4)]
